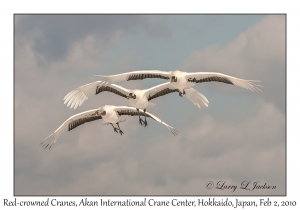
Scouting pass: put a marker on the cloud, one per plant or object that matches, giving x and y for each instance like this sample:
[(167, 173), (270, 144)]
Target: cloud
[(56, 38), (206, 151), (257, 54)]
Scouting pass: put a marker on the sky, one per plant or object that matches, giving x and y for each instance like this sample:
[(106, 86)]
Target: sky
[(239, 137)]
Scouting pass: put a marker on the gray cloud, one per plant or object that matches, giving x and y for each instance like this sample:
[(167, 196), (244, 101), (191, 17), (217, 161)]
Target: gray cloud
[(114, 165), (257, 54), (58, 32)]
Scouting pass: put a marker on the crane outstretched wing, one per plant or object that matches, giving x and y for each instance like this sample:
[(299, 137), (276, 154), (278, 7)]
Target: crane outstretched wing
[(199, 77), (70, 124), (76, 97), (134, 75), (197, 98)]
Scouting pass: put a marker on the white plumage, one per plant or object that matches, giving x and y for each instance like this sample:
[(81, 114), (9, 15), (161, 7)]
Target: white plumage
[(137, 98), (181, 80), (109, 114)]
